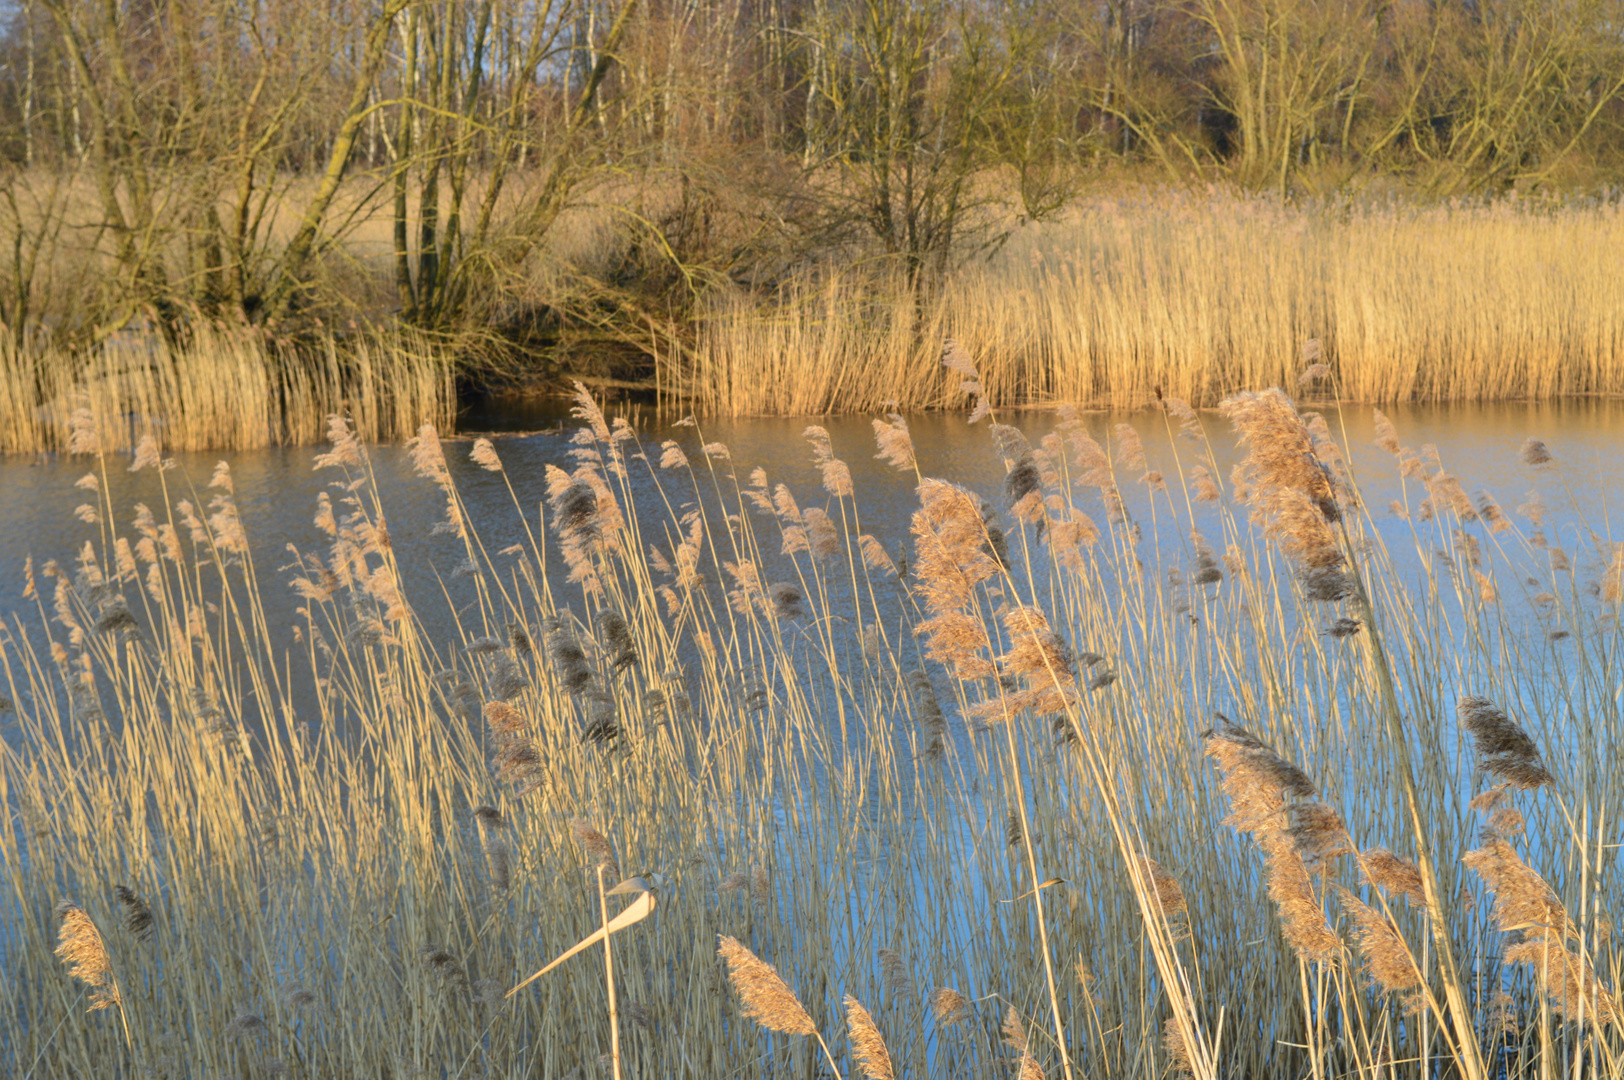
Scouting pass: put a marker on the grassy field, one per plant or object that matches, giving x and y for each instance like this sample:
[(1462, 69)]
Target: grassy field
[(1132, 775)]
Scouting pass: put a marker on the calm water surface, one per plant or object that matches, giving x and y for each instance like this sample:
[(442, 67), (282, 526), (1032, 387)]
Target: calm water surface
[(276, 489)]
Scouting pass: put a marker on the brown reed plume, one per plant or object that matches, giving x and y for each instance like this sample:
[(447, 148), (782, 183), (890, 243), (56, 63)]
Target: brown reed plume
[(596, 845), (1538, 925), (1259, 784), (895, 443), (1042, 663), (1398, 876), (1293, 494), (767, 999), (80, 947), (1169, 893), (867, 1045), (1504, 750), (948, 1006), (137, 915), (1014, 1031), (1178, 1054), (1388, 960)]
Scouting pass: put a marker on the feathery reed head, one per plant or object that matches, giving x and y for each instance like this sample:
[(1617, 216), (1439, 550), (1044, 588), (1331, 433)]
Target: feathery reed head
[(867, 1045), (1504, 750), (1388, 959), (596, 845), (1014, 1031), (1169, 894), (1399, 876), (79, 945), (1534, 452), (767, 999), (895, 443), (1302, 919), (137, 915), (1256, 779), (1178, 1054), (1523, 901), (483, 454), (1292, 492), (948, 1006)]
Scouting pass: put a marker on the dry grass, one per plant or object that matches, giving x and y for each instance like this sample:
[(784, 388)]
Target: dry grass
[(224, 390), (330, 848), (1202, 295)]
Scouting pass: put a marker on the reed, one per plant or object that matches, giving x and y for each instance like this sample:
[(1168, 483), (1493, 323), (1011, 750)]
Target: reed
[(1201, 295), (1104, 778), (224, 390)]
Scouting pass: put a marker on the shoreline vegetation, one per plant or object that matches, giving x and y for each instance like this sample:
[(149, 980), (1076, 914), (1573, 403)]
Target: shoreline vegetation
[(788, 207), (1190, 294), (1128, 774)]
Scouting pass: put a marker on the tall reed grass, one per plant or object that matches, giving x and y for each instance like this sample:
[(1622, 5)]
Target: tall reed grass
[(953, 797), (224, 390), (1201, 295)]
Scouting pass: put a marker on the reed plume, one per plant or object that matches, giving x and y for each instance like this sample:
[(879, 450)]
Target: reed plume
[(1535, 453), (484, 455), (1178, 1054), (835, 473), (1388, 960), (1528, 909), (1397, 875), (80, 947), (894, 973), (767, 999), (895, 443), (1169, 894), (137, 915), (596, 845), (1504, 750), (948, 1006), (867, 1045), (1259, 784), (1293, 496)]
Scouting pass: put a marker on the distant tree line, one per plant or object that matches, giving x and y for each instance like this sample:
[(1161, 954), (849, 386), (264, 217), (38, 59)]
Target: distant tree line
[(217, 154)]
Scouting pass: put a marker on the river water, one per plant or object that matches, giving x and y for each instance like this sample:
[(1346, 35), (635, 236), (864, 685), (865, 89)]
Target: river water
[(276, 490)]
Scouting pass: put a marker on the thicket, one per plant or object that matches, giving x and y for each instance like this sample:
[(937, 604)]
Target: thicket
[(576, 173)]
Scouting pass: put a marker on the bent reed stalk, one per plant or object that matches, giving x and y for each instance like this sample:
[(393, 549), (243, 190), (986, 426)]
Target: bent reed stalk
[(333, 847)]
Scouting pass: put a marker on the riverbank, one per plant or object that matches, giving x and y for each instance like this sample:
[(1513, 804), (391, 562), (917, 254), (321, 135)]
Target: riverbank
[(1188, 294)]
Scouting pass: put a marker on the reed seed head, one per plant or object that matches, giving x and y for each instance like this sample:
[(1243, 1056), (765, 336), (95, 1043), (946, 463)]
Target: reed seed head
[(1178, 1054), (483, 454), (80, 947), (1504, 750), (1399, 876), (137, 915), (948, 1006), (1388, 959), (767, 999), (1169, 894), (1014, 1031), (867, 1045), (596, 845), (895, 443), (1534, 452)]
